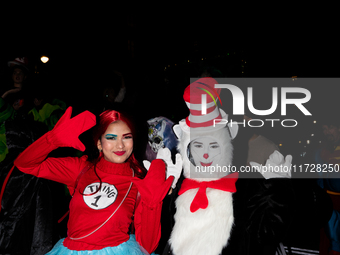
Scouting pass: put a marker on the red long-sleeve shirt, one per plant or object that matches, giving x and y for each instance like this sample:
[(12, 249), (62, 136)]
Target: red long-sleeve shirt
[(87, 229)]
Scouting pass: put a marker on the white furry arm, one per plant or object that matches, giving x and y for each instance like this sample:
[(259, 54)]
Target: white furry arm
[(276, 166)]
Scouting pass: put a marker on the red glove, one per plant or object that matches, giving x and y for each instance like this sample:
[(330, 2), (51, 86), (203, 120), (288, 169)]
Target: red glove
[(153, 188), (66, 132)]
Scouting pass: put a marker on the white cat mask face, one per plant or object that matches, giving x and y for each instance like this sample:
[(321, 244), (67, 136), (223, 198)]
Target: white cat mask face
[(204, 152)]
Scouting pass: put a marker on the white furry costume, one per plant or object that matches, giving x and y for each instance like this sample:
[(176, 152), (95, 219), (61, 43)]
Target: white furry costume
[(205, 231)]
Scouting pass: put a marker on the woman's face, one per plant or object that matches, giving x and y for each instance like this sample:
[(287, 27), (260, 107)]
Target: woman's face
[(205, 151), (117, 142)]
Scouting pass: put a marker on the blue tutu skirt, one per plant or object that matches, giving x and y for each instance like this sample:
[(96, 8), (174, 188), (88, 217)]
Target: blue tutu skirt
[(130, 247)]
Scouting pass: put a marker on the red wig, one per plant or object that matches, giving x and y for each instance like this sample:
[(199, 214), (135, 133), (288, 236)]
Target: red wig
[(105, 119)]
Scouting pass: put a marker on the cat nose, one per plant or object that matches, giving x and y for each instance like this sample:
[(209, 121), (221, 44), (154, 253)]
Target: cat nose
[(206, 155)]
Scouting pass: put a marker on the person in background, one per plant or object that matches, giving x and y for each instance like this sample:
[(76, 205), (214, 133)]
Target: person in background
[(113, 94), (46, 109), (14, 99), (262, 205), (161, 135), (14, 94), (330, 181), (28, 218)]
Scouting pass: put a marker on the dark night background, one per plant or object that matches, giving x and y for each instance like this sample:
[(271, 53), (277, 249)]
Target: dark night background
[(158, 50)]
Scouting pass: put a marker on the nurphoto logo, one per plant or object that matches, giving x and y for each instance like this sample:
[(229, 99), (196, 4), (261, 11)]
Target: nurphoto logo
[(280, 98)]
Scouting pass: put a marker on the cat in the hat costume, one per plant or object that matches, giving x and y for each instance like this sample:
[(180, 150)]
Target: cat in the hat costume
[(204, 218), (204, 207)]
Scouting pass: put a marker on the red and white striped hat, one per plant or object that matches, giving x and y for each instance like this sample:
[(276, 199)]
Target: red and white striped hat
[(19, 61), (199, 116)]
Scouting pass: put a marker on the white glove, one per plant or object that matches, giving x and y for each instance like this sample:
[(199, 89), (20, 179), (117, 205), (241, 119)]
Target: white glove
[(276, 166), (146, 164), (172, 169)]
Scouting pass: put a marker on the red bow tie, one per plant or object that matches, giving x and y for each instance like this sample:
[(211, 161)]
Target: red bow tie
[(200, 200)]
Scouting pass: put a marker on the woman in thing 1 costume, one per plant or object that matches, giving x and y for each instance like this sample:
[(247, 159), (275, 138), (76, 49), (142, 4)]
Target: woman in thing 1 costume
[(105, 191)]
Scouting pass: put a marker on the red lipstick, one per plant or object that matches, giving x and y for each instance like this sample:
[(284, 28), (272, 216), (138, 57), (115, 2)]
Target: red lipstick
[(206, 164), (119, 153)]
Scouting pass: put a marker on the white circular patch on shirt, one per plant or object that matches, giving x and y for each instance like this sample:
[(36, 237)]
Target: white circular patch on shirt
[(105, 197)]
